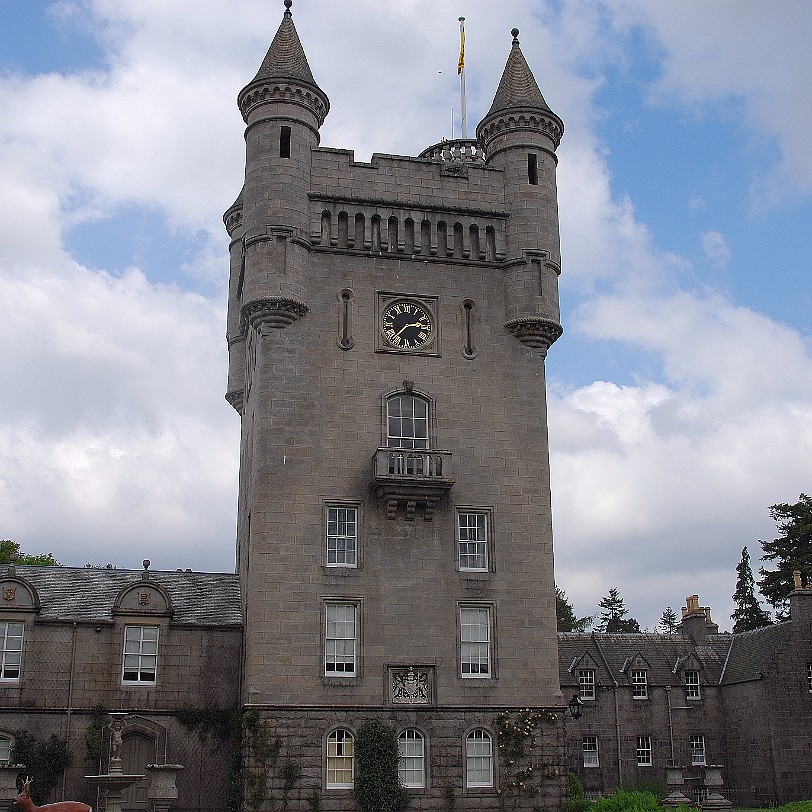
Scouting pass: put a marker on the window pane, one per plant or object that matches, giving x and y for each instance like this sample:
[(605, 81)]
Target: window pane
[(475, 641), (410, 765), (590, 751), (140, 659), (339, 649), (339, 759), (341, 536), (643, 751), (478, 759), (11, 647), (407, 422), (586, 683), (473, 541)]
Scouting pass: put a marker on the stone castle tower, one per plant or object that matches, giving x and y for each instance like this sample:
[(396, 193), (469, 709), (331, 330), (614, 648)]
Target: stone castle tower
[(387, 328)]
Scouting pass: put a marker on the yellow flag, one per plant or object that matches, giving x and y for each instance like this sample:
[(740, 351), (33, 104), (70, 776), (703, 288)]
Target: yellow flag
[(461, 60)]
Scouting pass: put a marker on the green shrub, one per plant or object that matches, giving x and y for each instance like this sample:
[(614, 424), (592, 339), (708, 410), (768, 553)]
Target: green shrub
[(627, 801), (377, 783)]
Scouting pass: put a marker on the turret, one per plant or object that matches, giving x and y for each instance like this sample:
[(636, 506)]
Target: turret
[(283, 108), (520, 134)]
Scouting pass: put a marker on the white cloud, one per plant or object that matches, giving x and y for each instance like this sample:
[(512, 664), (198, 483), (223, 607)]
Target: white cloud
[(115, 441), (716, 249)]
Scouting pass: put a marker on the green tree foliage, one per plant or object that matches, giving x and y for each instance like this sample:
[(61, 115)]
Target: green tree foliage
[(613, 618), (565, 615), (792, 550), (45, 760), (377, 783), (10, 552), (669, 622), (748, 613)]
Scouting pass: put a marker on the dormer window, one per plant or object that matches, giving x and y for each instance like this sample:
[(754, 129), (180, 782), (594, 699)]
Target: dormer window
[(586, 683), (639, 679), (692, 690)]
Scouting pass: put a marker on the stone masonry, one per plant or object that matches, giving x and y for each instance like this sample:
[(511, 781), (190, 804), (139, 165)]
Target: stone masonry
[(322, 249)]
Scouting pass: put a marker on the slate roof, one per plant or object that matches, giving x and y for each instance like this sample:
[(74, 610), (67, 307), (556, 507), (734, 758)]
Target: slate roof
[(69, 593), (662, 653), (286, 57), (753, 650), (517, 87)]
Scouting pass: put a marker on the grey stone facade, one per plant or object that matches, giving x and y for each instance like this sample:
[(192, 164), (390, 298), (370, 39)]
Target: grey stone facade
[(325, 249), (71, 625), (751, 707)]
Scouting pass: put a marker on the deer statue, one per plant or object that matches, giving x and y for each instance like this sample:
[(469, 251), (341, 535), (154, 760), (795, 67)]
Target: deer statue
[(23, 800)]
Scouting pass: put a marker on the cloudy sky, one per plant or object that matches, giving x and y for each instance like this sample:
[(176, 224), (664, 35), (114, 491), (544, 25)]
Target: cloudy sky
[(680, 394)]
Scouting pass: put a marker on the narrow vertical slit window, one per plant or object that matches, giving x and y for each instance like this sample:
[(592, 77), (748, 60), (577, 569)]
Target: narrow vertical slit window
[(392, 236), (532, 169), (284, 142), (345, 339), (360, 226), (343, 229), (468, 345)]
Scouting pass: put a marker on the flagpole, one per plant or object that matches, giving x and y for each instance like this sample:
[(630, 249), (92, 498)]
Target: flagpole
[(461, 72)]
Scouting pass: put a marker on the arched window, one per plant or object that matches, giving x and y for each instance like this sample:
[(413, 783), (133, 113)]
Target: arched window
[(360, 225), (479, 759), (407, 422), (343, 229), (340, 759), (411, 766), (325, 227)]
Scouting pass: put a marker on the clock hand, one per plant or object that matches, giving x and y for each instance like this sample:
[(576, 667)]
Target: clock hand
[(413, 324)]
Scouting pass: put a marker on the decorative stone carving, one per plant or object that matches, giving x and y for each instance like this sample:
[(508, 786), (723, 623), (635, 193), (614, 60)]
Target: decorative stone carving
[(276, 311), (538, 333), (410, 686)]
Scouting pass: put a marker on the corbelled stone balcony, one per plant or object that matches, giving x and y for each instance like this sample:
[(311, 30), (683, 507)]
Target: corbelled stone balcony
[(411, 477)]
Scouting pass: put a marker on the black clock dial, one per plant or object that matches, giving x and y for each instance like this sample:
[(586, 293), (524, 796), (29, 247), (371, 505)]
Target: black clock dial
[(406, 325)]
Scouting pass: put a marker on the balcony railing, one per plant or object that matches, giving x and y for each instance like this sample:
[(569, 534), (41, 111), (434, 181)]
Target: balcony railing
[(411, 477)]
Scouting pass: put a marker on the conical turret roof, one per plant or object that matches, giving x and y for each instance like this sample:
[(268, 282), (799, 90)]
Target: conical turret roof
[(283, 74), (517, 87), (286, 57)]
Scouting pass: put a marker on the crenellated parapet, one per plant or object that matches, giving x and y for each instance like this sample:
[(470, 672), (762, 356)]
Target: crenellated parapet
[(294, 92), (516, 122)]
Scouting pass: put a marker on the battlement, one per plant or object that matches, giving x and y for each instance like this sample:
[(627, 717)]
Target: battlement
[(414, 206)]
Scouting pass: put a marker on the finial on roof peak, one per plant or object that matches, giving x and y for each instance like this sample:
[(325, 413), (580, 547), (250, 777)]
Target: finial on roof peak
[(514, 32), (145, 574), (288, 4)]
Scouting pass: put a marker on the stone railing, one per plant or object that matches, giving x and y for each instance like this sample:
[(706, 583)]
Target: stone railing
[(458, 150), (411, 477)]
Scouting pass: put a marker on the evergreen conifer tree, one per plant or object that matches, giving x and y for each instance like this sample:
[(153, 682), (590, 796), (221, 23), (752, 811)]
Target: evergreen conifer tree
[(669, 622), (792, 550), (748, 613), (565, 614), (613, 618)]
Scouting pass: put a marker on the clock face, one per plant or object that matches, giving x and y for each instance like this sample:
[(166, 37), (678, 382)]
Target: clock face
[(406, 325)]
